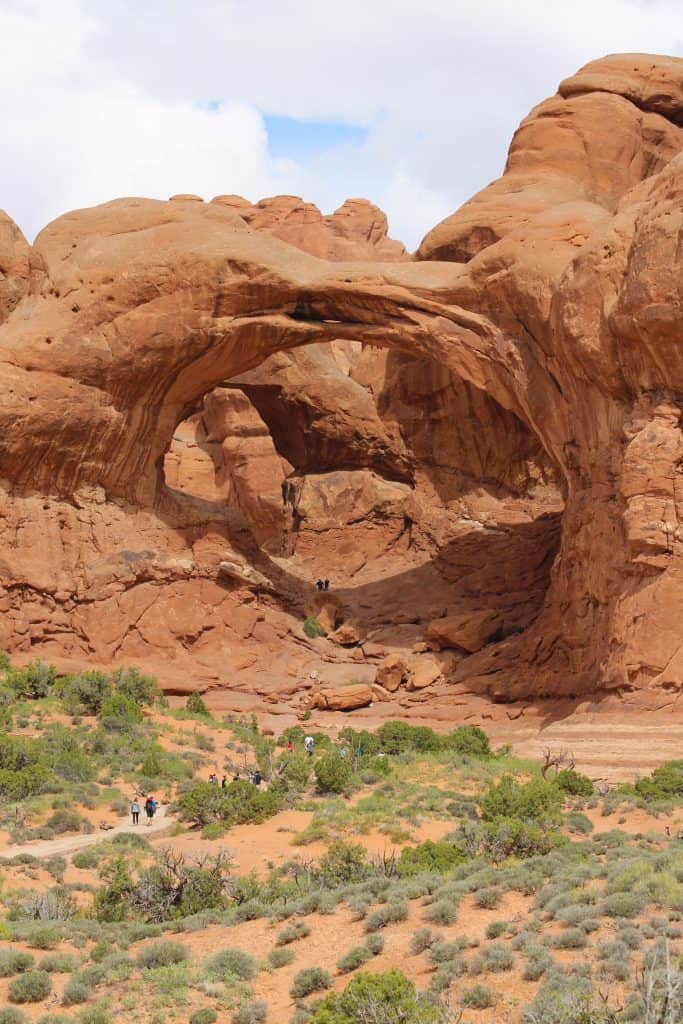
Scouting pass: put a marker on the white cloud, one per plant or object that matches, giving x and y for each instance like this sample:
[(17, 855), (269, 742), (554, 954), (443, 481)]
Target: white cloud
[(101, 98)]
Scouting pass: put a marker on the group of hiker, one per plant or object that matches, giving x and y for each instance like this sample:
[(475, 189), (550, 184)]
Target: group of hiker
[(254, 777), (150, 806), (322, 584)]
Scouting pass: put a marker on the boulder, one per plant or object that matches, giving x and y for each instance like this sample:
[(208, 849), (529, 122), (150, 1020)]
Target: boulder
[(342, 698), (469, 631)]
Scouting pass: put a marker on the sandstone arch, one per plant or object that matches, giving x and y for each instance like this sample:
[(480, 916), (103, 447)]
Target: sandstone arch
[(556, 291)]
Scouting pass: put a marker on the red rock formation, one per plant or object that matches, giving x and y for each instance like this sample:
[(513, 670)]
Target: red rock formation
[(556, 291)]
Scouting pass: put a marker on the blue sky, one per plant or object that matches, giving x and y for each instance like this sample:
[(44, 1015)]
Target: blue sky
[(412, 106)]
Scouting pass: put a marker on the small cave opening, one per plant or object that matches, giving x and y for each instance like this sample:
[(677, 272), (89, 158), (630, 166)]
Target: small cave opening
[(418, 495)]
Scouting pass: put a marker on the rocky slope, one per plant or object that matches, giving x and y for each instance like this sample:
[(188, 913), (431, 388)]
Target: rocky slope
[(530, 370)]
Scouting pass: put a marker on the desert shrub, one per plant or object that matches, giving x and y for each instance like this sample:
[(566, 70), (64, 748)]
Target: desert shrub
[(85, 692), (401, 737), (421, 940), (468, 739), (162, 954), (252, 1013), (538, 962), (623, 904), (375, 943), (118, 713), (429, 856), (441, 952), (280, 957), (77, 990), (194, 705), (239, 804), (293, 931), (86, 859), (498, 957), (64, 820), (35, 681), (574, 783), (570, 938), (579, 823), (664, 783), (45, 937), (312, 627), (495, 929), (207, 1015), (568, 999), (479, 997), (442, 911), (343, 862), (512, 837), (136, 686), (354, 959), (58, 963), (534, 801), (377, 999), (31, 987), (13, 961), (295, 770), (97, 1014), (311, 979), (10, 1015), (332, 773), (487, 898), (231, 963)]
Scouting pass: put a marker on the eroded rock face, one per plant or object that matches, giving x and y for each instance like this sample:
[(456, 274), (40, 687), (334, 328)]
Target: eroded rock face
[(556, 292)]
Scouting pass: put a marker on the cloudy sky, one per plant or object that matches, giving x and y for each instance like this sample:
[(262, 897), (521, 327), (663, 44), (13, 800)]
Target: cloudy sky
[(408, 102)]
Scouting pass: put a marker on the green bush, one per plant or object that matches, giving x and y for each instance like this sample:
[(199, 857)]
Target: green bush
[(195, 705), (85, 692), (311, 979), (422, 940), (401, 738), (442, 911), (239, 804), (32, 987), (332, 773), (295, 770), (119, 712), (64, 820), (665, 782), (231, 963), (537, 801), (162, 954), (35, 681), (495, 929), (429, 856), (204, 1016), (498, 957), (354, 959), (468, 739), (570, 938), (312, 627), (573, 783), (86, 859), (137, 687), (377, 999), (624, 904), (512, 837), (344, 862), (479, 997)]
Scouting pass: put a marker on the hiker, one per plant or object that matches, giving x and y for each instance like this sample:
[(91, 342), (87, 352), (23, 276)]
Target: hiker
[(224, 782), (290, 746), (236, 776), (150, 808), (326, 585), (343, 752), (135, 811), (308, 744), (213, 778), (319, 585), (257, 777)]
